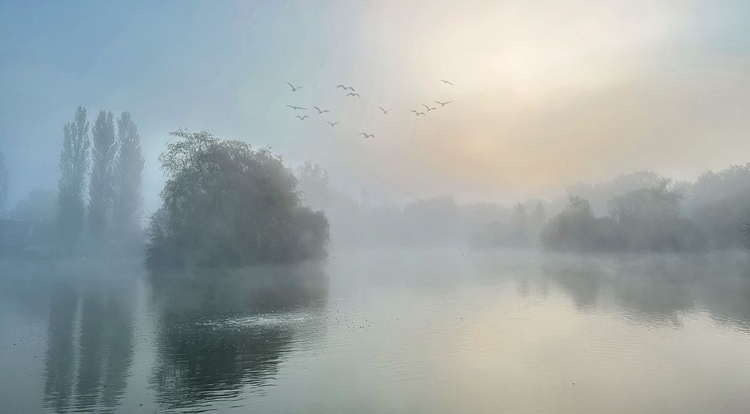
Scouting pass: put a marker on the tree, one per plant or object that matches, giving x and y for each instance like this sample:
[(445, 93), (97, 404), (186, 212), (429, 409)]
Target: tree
[(3, 183), (313, 183), (128, 168), (650, 219), (719, 203), (598, 194), (518, 222), (573, 229), (225, 204), (74, 164), (101, 187)]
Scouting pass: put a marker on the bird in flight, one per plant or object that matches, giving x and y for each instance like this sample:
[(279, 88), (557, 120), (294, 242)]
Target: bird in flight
[(442, 104), (296, 107), (428, 108), (417, 113), (353, 94), (294, 88), (385, 111), (320, 111), (367, 135), (346, 88), (332, 124), (302, 118), (445, 82)]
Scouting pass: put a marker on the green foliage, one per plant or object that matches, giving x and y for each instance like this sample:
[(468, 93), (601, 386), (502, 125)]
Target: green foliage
[(74, 165), (102, 186), (225, 204), (128, 199)]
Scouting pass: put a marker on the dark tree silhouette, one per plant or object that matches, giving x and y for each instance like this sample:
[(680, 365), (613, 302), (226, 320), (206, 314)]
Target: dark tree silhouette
[(226, 204), (74, 165), (101, 187)]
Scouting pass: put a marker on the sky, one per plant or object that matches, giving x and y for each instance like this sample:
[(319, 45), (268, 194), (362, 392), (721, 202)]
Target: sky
[(544, 93)]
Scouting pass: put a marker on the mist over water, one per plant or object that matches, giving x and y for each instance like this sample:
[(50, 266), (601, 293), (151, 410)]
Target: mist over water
[(423, 206), (397, 330)]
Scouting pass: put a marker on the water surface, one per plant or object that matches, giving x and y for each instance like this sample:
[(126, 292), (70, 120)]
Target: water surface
[(433, 331)]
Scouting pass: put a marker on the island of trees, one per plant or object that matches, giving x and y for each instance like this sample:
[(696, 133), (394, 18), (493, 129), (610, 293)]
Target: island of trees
[(227, 205)]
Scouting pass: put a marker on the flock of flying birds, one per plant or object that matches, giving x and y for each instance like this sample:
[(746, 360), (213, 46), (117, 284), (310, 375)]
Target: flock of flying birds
[(353, 94)]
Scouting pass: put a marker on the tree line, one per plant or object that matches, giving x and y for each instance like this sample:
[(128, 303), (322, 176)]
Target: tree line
[(98, 199), (114, 179), (637, 212)]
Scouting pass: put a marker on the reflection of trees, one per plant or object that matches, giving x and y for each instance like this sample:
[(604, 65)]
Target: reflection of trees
[(654, 288), (90, 345), (105, 348), (212, 340), (59, 364), (581, 279)]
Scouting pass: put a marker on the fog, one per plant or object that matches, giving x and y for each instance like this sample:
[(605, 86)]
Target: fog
[(256, 205)]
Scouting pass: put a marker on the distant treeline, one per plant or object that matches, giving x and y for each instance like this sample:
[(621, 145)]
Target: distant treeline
[(636, 212), (645, 212), (98, 200)]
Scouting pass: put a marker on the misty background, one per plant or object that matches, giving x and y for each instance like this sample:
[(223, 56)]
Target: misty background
[(545, 95), (566, 231)]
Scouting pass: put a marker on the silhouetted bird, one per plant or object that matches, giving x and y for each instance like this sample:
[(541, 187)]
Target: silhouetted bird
[(302, 118), (417, 113), (353, 94), (445, 82), (297, 107), (442, 104), (333, 124), (346, 88), (320, 111), (294, 88), (367, 135), (428, 108), (385, 111)]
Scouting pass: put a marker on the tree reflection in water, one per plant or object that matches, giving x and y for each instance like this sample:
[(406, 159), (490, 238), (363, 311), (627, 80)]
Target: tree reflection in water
[(652, 289), (219, 331), (98, 314)]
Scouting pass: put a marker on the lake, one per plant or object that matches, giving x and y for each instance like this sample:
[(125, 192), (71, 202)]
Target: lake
[(374, 331)]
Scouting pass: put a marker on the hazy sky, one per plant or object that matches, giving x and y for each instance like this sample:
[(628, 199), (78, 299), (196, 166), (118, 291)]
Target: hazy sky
[(545, 93)]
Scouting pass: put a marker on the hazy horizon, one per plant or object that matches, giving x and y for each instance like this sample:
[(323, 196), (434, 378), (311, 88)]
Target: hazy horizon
[(545, 95)]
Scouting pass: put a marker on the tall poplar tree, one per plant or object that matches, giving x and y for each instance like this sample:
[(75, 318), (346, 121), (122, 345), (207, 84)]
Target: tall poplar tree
[(74, 165), (128, 199), (101, 189)]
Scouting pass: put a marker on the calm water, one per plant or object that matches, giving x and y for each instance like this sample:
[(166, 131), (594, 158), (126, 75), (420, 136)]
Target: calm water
[(438, 331)]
